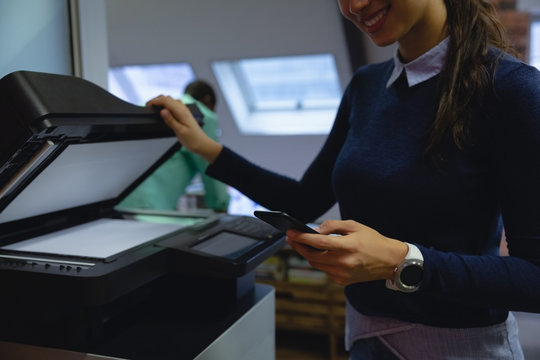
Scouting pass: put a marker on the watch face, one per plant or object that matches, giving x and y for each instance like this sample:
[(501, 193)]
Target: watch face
[(411, 275)]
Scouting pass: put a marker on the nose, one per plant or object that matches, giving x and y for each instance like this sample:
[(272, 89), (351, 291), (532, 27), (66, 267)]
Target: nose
[(356, 6)]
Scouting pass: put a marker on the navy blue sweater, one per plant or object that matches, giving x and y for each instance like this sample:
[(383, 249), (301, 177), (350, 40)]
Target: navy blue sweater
[(373, 164)]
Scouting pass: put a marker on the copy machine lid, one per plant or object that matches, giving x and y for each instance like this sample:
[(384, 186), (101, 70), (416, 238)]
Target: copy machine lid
[(69, 147)]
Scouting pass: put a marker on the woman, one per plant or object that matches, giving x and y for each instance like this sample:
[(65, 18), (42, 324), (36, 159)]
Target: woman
[(429, 154)]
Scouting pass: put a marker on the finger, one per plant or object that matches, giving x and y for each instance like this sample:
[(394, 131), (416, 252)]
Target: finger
[(319, 241), (176, 106), (153, 101), (338, 227), (157, 101), (305, 239), (176, 112), (170, 120), (305, 250)]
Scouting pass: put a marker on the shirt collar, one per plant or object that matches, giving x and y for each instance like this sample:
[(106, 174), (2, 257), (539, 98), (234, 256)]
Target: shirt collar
[(422, 68)]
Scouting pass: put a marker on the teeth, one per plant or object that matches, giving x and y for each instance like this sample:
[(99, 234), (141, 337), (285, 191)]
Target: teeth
[(375, 19)]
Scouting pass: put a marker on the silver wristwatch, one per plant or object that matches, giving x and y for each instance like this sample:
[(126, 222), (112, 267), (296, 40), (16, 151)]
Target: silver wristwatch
[(409, 273)]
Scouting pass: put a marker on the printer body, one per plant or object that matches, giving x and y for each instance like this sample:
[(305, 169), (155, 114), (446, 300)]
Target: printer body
[(77, 272)]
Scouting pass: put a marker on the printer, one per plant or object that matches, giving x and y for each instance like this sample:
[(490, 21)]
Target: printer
[(78, 273)]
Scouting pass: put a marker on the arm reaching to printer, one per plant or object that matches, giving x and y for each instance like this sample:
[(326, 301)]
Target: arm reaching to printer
[(308, 199)]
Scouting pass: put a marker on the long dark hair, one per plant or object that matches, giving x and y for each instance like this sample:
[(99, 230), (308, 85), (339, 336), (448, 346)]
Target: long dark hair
[(473, 27)]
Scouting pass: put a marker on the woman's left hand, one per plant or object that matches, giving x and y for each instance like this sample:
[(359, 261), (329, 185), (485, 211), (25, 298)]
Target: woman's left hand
[(357, 254)]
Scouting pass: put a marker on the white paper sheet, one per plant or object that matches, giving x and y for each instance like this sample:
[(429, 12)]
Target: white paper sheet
[(97, 239)]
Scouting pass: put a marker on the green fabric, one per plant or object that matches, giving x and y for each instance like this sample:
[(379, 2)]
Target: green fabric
[(167, 184)]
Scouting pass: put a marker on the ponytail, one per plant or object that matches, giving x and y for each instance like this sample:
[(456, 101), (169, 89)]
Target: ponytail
[(473, 27)]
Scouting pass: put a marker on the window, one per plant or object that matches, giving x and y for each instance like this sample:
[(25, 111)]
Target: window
[(281, 95), (139, 83)]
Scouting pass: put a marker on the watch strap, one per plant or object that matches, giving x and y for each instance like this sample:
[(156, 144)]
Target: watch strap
[(413, 256)]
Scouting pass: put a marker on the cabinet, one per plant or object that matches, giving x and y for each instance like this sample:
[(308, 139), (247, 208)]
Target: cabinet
[(306, 300)]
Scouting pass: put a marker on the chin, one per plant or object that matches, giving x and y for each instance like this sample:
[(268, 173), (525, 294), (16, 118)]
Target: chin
[(382, 42), (379, 38)]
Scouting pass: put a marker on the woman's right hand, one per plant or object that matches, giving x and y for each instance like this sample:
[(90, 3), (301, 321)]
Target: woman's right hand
[(360, 254), (178, 117)]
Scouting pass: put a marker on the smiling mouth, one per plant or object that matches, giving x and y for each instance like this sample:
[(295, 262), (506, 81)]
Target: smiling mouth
[(374, 23)]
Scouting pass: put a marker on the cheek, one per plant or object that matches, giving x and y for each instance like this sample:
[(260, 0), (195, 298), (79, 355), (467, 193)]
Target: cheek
[(343, 6)]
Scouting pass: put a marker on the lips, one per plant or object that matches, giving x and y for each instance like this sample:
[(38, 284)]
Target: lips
[(375, 21)]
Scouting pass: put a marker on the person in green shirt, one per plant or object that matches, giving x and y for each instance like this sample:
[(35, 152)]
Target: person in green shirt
[(163, 189)]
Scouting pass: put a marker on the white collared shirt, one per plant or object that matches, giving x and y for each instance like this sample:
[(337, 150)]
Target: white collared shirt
[(422, 68)]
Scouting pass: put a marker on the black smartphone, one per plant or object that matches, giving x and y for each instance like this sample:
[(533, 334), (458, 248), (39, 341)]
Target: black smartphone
[(283, 221)]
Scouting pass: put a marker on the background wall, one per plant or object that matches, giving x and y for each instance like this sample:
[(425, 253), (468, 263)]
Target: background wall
[(91, 49), (35, 35)]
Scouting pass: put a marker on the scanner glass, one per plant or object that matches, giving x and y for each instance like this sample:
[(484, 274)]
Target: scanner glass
[(100, 239)]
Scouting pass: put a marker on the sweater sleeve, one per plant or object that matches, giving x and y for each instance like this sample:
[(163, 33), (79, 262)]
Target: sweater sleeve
[(307, 198), (503, 282)]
